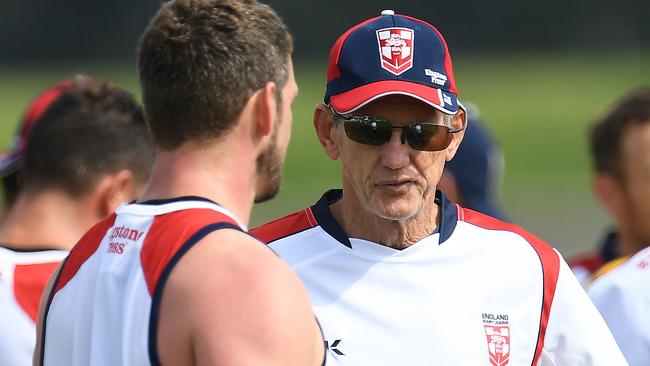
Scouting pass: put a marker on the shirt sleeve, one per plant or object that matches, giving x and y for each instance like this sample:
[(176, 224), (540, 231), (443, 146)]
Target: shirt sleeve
[(626, 309), (576, 333)]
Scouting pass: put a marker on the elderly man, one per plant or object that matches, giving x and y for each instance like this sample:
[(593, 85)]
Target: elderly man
[(397, 274)]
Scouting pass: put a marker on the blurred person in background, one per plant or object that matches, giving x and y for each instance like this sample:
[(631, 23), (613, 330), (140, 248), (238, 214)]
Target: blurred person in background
[(87, 151), (619, 182), (11, 162), (620, 143), (176, 278), (473, 177), (397, 274)]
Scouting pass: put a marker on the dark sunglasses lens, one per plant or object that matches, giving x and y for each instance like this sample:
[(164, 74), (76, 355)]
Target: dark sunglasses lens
[(427, 136), (368, 132)]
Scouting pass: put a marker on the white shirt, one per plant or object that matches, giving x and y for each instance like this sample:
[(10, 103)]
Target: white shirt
[(23, 275), (477, 292), (623, 298)]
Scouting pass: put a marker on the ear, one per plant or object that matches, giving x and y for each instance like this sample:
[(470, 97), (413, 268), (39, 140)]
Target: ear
[(459, 123), (265, 109), (325, 129), (610, 193), (114, 190)]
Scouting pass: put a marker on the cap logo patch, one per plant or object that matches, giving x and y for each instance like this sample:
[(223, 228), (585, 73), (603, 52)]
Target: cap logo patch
[(396, 49)]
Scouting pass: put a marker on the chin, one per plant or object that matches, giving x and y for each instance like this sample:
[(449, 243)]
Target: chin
[(397, 212)]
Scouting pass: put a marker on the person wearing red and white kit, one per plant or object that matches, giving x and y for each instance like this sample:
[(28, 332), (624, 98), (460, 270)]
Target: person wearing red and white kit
[(175, 278), (620, 141), (56, 203), (397, 274)]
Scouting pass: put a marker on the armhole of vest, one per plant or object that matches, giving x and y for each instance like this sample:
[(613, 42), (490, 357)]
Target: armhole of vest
[(164, 276), (550, 268), (324, 347), (50, 297)]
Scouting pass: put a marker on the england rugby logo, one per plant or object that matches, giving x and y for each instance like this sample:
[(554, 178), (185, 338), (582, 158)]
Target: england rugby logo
[(396, 49), (497, 332)]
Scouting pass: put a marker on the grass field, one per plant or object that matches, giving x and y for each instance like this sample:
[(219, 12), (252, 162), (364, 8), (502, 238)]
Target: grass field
[(538, 107)]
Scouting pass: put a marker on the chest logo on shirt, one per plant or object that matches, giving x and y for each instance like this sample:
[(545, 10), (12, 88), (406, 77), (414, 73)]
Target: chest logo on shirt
[(119, 238), (497, 333)]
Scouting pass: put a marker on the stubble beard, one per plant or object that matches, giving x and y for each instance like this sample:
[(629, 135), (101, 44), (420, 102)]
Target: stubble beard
[(269, 170)]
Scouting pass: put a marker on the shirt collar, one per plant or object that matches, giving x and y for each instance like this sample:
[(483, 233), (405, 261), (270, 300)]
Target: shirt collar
[(325, 219)]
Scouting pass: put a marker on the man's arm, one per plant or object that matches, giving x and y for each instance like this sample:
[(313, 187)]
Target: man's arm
[(576, 332), (231, 301), (38, 350)]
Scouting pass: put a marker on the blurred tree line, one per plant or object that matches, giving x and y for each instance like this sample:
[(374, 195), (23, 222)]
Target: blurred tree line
[(65, 30)]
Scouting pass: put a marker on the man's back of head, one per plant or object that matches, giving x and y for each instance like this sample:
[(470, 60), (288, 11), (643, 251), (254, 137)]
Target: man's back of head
[(200, 61), (92, 130)]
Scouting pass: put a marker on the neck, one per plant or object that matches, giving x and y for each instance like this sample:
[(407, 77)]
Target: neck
[(628, 244), (359, 222), (48, 219), (225, 174)]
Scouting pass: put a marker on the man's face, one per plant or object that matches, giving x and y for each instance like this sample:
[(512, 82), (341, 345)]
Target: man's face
[(393, 181), (271, 161), (635, 156)]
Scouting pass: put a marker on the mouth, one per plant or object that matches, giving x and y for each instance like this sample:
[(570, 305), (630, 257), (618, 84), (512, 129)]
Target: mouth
[(398, 185)]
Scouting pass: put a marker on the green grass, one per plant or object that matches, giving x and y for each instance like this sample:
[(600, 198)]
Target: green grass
[(539, 107)]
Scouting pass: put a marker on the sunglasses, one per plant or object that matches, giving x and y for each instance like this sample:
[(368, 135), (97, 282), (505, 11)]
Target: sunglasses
[(374, 131)]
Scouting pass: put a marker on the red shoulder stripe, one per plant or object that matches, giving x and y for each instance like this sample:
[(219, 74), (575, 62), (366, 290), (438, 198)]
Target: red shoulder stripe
[(29, 282), (167, 234), (285, 226), (84, 249), (550, 266)]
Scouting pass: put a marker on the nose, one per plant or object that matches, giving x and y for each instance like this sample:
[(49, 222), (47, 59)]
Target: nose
[(395, 153)]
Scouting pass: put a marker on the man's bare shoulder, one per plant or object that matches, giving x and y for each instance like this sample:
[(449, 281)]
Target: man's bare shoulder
[(236, 301)]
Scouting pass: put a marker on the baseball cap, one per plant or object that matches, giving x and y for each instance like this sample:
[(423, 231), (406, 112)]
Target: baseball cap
[(11, 160), (477, 167), (386, 55)]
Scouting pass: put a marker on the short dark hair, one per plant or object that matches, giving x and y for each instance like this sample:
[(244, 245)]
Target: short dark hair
[(92, 130), (607, 131), (200, 61)]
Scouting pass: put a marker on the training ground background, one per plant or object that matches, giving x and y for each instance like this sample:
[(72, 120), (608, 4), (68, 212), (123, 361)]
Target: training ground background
[(538, 106)]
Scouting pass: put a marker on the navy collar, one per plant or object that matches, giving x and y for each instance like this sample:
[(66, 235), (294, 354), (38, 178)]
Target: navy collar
[(325, 219)]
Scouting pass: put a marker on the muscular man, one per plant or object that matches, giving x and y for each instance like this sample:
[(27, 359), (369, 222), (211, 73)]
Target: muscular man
[(397, 274), (87, 152), (620, 143), (175, 279)]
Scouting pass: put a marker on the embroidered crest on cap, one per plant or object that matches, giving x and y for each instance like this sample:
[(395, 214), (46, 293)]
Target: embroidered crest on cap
[(396, 49)]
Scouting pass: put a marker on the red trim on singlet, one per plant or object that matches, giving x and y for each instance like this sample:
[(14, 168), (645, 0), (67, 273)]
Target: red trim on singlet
[(29, 282), (285, 226), (84, 249), (549, 259), (168, 233)]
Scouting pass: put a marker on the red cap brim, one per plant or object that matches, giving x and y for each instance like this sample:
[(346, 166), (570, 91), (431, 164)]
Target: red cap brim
[(354, 99)]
